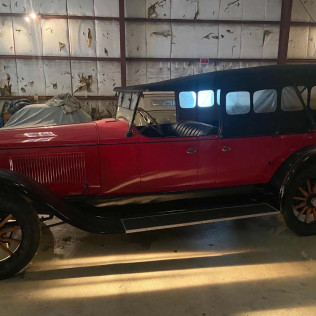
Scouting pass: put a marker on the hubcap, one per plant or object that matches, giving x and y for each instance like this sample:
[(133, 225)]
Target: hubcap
[(10, 236), (304, 202)]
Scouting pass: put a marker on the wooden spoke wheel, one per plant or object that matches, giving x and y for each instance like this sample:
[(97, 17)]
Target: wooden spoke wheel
[(19, 234), (304, 202), (298, 204), (10, 236)]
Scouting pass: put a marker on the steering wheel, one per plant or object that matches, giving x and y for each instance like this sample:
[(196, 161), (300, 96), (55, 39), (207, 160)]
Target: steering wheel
[(150, 120)]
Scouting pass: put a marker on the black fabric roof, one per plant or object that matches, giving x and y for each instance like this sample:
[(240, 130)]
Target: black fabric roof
[(263, 77)]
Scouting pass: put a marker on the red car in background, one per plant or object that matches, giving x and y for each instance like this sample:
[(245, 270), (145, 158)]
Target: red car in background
[(210, 147)]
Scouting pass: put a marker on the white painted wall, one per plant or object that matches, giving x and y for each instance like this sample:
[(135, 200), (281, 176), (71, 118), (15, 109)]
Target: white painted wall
[(62, 37)]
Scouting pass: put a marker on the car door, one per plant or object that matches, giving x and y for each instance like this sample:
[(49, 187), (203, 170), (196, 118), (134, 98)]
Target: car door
[(168, 164), (207, 161), (248, 126)]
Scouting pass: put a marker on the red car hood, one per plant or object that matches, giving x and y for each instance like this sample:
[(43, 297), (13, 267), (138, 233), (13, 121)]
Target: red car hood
[(103, 131)]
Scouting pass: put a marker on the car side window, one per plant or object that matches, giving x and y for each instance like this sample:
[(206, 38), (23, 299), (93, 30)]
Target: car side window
[(206, 98), (187, 99), (313, 98), (265, 101), (294, 98), (238, 102), (218, 96)]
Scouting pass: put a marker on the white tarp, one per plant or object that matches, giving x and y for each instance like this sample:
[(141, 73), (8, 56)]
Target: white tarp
[(45, 115)]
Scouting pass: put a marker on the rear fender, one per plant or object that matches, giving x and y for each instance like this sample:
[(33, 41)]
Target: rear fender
[(46, 201), (283, 177)]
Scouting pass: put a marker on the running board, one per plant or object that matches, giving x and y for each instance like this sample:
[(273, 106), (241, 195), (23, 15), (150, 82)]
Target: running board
[(187, 218)]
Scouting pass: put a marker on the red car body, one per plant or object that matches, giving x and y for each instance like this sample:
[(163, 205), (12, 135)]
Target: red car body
[(98, 159), (220, 134)]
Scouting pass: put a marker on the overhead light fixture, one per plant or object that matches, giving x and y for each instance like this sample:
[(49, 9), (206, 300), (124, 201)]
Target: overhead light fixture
[(31, 16)]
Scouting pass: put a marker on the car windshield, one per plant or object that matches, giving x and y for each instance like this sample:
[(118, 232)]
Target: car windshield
[(127, 102), (159, 105)]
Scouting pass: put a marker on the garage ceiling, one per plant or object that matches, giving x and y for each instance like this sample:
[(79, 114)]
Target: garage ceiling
[(88, 47)]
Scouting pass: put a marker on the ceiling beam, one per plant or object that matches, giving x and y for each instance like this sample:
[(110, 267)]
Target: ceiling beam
[(122, 41), (285, 25)]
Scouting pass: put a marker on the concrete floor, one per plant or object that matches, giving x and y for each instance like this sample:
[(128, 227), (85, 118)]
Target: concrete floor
[(246, 267)]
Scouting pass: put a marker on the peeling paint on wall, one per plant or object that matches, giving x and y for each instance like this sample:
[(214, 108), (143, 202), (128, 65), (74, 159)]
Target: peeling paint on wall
[(55, 37), (84, 74), (99, 109), (84, 83), (136, 72), (31, 77), (152, 9), (5, 86), (109, 76), (142, 72), (107, 38), (201, 40), (27, 36), (158, 40), (158, 71), (89, 38), (5, 6), (80, 44), (57, 76), (6, 36), (24, 6), (181, 69)]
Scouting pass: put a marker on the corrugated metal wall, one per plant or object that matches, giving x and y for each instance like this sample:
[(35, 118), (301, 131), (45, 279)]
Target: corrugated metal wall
[(77, 43)]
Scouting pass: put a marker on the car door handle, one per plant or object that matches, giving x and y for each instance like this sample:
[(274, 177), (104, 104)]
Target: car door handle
[(191, 150), (226, 148)]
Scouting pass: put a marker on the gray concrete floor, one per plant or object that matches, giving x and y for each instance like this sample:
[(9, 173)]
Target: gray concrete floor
[(246, 267)]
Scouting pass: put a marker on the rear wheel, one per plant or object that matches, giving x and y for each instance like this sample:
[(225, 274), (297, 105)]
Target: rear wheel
[(299, 211), (19, 236)]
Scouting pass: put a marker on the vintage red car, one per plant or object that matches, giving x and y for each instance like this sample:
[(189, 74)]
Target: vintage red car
[(210, 147)]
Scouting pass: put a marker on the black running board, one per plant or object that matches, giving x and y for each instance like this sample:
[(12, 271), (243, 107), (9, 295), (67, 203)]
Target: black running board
[(187, 218)]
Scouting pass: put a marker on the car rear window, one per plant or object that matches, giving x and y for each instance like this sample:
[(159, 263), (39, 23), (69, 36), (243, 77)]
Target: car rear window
[(265, 101), (294, 98), (206, 98), (237, 102)]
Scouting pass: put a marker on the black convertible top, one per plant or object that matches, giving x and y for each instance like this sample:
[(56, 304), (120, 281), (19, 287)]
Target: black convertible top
[(246, 78)]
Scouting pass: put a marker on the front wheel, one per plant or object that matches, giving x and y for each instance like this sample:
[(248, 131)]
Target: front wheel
[(19, 236), (299, 207)]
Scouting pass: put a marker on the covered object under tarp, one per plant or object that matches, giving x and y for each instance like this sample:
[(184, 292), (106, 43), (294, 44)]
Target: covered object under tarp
[(45, 115)]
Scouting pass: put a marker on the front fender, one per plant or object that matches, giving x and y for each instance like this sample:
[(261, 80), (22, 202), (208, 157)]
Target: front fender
[(30, 190)]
